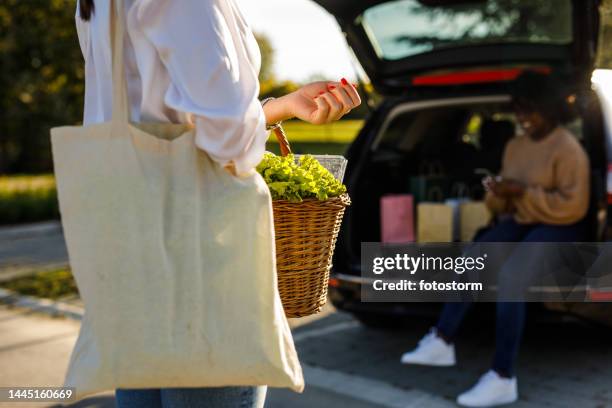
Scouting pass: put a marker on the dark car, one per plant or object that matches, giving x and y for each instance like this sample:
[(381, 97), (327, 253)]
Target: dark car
[(443, 70)]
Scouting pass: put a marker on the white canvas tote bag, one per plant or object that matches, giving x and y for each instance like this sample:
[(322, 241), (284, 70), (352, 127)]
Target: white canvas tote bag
[(174, 258)]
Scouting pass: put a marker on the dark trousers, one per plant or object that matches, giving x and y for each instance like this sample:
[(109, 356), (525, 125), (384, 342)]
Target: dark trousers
[(510, 316)]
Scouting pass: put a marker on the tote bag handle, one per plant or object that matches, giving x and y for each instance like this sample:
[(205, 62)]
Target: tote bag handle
[(121, 107)]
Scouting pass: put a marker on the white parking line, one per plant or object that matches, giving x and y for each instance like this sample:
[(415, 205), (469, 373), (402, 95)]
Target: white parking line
[(370, 390), (362, 388)]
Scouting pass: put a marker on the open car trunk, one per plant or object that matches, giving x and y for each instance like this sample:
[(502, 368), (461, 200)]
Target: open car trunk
[(453, 139), (406, 43)]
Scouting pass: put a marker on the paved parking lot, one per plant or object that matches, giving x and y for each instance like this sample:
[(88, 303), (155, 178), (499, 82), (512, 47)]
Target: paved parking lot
[(560, 365), (346, 364)]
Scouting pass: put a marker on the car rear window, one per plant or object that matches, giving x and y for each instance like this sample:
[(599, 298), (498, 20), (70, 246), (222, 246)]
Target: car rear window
[(403, 28)]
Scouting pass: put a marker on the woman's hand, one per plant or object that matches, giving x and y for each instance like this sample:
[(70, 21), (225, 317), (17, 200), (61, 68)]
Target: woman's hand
[(317, 103), (502, 187), (323, 102), (487, 182)]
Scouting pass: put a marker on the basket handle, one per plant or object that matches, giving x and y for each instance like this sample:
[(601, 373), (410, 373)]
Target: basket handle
[(285, 149)]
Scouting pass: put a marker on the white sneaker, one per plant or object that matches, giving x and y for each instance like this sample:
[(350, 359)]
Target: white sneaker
[(490, 390), (431, 351)]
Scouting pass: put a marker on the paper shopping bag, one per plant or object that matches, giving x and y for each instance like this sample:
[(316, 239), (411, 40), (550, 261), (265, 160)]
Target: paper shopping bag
[(174, 258), (473, 215), (397, 218), (434, 222)]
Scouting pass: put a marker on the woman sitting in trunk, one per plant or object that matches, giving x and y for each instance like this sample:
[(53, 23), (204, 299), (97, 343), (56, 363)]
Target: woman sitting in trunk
[(541, 195)]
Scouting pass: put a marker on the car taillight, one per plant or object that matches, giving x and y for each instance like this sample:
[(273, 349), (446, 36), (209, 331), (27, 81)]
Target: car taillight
[(474, 76), (599, 295)]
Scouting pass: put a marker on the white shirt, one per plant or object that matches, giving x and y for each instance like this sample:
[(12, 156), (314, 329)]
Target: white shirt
[(188, 61)]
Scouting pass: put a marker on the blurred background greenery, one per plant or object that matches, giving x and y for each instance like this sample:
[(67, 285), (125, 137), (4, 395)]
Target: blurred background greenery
[(41, 77), (27, 198)]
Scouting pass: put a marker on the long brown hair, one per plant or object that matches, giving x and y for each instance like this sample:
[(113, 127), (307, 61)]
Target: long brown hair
[(86, 8)]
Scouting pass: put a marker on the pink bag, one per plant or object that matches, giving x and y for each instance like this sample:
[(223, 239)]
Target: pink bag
[(397, 218)]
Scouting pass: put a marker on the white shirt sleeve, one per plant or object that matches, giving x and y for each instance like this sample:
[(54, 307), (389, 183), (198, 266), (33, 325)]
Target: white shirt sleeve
[(202, 45)]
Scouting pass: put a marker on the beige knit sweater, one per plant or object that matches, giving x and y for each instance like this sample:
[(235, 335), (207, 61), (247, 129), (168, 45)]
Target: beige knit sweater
[(555, 171)]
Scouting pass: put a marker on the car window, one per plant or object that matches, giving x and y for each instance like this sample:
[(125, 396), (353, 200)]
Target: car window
[(403, 28)]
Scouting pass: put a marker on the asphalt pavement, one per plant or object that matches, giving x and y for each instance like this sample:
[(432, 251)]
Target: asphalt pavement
[(31, 248), (346, 364)]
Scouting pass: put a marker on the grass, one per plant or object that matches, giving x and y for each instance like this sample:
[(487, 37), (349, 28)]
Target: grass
[(340, 132), (333, 138), (312, 148), (48, 284), (27, 198)]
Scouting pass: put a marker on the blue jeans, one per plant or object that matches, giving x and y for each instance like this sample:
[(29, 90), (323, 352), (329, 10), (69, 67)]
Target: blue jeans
[(510, 316), (222, 397)]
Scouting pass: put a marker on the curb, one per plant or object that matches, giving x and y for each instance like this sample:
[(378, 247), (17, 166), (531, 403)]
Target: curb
[(30, 230), (46, 306)]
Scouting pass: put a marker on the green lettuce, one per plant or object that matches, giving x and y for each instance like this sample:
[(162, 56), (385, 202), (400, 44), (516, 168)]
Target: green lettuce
[(295, 181)]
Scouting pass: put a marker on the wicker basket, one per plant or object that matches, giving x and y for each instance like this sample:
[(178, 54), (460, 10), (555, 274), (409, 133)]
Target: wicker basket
[(306, 234)]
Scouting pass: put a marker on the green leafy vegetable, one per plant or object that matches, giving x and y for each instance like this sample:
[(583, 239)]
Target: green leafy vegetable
[(293, 181)]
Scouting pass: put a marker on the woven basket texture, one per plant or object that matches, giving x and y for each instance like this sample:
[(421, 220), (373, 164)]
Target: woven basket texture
[(306, 234)]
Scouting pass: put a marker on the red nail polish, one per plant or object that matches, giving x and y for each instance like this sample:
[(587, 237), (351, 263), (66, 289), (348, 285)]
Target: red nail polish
[(344, 81), (321, 93), (331, 87)]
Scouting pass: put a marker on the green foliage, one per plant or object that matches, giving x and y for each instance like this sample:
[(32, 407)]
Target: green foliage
[(41, 80), (295, 181), (49, 284), (311, 148), (266, 72), (274, 88), (27, 199), (269, 85), (341, 131)]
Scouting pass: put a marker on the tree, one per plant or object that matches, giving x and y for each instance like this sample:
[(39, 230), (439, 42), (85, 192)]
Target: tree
[(266, 73), (495, 19), (268, 83), (41, 77)]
